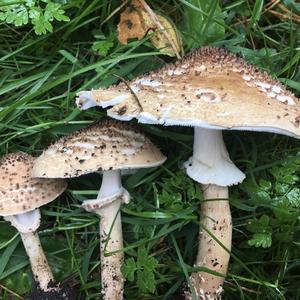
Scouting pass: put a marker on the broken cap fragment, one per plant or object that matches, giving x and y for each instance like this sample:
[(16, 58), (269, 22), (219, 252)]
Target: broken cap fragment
[(19, 192), (109, 145), (209, 88)]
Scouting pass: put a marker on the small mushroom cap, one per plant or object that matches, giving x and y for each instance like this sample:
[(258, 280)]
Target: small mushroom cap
[(19, 192), (209, 88), (108, 145)]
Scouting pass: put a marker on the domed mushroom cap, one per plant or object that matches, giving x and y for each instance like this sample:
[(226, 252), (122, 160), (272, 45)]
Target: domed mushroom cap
[(209, 88), (109, 145), (19, 192)]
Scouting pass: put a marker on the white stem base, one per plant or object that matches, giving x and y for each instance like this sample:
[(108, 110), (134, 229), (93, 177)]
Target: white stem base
[(38, 261), (216, 218)]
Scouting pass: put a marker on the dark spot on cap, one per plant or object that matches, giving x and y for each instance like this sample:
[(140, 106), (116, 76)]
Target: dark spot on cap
[(122, 110), (297, 121)]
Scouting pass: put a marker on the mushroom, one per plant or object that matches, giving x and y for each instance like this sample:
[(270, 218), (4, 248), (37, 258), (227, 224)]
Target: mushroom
[(109, 147), (20, 199), (211, 90)]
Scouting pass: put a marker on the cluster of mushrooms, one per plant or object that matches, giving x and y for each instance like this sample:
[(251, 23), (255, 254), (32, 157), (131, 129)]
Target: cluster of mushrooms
[(211, 90)]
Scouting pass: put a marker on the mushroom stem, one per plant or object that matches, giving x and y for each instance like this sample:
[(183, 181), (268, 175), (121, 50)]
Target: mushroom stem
[(213, 169), (216, 222), (210, 163), (111, 184), (27, 224), (111, 237), (38, 261)]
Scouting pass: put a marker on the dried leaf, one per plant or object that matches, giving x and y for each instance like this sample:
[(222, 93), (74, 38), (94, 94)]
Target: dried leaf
[(161, 42), (132, 25), (137, 20)]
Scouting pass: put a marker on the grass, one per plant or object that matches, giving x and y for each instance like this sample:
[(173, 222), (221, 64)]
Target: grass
[(39, 78)]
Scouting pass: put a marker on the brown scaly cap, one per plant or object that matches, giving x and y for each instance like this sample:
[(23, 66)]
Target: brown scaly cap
[(109, 145), (19, 192), (209, 88)]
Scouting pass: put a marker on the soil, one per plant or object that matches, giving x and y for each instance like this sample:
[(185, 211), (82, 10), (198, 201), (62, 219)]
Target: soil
[(62, 293)]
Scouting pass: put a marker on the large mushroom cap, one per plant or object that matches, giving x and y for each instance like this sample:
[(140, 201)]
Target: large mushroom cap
[(209, 88), (19, 192), (109, 145)]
